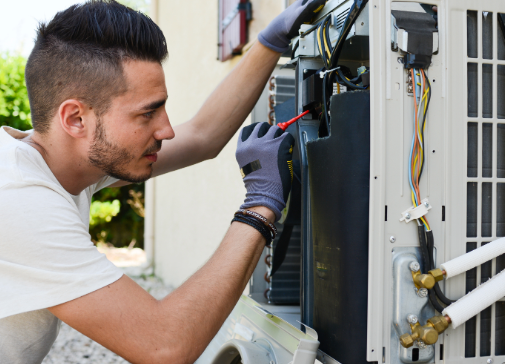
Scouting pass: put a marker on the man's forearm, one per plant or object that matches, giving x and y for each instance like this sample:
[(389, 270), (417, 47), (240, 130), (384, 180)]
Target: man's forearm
[(127, 320), (206, 299), (219, 118), (233, 100)]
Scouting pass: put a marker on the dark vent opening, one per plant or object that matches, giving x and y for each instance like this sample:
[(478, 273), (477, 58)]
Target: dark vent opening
[(487, 35), (472, 144), (501, 91), (487, 150), (472, 90), (487, 90), (471, 209), (487, 206), (471, 325), (500, 209), (471, 33), (485, 316)]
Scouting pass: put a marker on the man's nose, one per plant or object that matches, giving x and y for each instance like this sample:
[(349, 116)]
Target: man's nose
[(164, 130)]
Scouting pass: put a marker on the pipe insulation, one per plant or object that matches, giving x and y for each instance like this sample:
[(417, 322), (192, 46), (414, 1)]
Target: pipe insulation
[(474, 258), (476, 301)]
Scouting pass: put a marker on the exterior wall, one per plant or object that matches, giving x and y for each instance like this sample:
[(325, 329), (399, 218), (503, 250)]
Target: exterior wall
[(189, 211)]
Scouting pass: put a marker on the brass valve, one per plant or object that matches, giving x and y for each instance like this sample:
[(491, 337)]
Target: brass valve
[(427, 280), (427, 333)]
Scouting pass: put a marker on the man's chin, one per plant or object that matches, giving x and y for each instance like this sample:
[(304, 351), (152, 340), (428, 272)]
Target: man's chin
[(130, 177)]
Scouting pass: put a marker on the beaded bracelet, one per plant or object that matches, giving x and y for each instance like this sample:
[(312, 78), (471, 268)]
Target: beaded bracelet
[(262, 218), (255, 224)]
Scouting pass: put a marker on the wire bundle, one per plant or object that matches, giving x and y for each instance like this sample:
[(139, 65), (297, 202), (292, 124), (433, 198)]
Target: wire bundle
[(422, 96), (330, 56)]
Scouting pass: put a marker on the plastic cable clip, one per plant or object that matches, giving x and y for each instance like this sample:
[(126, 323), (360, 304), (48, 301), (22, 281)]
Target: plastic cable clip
[(416, 212), (322, 73)]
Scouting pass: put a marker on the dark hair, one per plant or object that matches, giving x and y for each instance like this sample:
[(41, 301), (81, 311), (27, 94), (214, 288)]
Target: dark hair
[(80, 53)]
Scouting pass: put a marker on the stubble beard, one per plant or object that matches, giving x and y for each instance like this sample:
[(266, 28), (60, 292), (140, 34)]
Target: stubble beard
[(112, 159)]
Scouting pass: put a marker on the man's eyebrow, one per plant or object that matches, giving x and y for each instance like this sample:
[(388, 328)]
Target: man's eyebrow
[(153, 105)]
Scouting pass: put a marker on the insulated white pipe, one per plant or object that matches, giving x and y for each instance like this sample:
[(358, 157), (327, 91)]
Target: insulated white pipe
[(479, 299), (474, 258)]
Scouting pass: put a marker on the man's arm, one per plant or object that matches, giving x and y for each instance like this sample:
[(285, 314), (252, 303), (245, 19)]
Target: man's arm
[(127, 320), (205, 135)]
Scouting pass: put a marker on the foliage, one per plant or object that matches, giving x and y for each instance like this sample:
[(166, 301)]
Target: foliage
[(127, 226), (14, 104), (102, 212)]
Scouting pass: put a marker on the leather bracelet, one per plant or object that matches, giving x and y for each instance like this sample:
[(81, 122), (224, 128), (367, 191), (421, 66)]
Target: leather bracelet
[(261, 218), (263, 230)]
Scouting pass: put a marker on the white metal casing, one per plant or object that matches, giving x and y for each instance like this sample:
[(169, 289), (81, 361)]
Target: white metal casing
[(445, 180)]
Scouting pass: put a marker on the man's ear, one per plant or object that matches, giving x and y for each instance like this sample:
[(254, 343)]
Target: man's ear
[(74, 118)]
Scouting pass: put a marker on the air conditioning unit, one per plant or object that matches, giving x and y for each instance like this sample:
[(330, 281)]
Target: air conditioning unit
[(402, 170)]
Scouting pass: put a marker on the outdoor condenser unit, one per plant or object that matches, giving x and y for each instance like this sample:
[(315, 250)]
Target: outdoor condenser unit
[(402, 168)]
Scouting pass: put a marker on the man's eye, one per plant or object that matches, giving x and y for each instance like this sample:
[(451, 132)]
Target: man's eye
[(149, 114)]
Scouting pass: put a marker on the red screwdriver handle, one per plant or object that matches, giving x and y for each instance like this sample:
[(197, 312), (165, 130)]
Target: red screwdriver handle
[(285, 125)]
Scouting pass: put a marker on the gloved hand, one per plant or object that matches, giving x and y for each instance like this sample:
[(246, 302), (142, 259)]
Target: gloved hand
[(264, 155), (277, 35)]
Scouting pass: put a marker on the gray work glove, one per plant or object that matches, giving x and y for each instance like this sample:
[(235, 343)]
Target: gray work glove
[(278, 34), (264, 155)]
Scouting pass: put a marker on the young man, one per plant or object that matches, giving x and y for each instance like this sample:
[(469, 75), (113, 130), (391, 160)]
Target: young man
[(97, 94)]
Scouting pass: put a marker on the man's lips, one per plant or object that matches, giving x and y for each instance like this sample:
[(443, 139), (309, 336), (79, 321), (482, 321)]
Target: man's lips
[(152, 157)]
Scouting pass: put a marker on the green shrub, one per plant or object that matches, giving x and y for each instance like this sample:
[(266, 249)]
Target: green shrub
[(14, 105), (103, 212), (127, 226)]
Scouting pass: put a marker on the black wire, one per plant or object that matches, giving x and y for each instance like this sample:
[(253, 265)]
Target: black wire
[(349, 83), (310, 30), (353, 14), (323, 34), (431, 247), (427, 264), (297, 44)]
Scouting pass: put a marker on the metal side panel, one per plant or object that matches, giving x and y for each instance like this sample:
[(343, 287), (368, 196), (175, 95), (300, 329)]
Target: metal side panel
[(258, 328), (463, 180)]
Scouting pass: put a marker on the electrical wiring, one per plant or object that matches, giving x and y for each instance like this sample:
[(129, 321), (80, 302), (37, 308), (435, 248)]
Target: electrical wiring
[(330, 55), (422, 94), (422, 98)]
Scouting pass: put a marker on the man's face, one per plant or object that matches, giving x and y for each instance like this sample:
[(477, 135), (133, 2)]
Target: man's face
[(128, 136)]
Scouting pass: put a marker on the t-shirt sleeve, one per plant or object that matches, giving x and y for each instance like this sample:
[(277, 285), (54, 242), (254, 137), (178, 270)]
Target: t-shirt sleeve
[(46, 254)]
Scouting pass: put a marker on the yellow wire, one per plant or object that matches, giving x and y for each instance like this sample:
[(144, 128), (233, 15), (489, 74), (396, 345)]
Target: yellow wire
[(326, 45)]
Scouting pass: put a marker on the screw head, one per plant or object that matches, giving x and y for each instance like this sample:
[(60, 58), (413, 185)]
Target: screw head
[(392, 239), (305, 71), (422, 292), (414, 266), (412, 319), (489, 361), (407, 215), (426, 204)]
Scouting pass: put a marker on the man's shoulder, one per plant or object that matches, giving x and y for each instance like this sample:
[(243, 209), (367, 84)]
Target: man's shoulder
[(20, 164)]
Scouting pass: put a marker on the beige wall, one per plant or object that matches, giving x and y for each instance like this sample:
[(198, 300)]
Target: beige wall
[(191, 209)]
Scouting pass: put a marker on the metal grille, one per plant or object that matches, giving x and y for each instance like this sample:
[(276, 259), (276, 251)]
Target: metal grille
[(281, 89), (485, 213)]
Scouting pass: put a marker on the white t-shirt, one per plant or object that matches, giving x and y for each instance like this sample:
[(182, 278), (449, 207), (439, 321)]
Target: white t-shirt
[(46, 254)]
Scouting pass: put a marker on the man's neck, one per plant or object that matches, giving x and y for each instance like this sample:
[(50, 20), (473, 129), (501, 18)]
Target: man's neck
[(71, 169)]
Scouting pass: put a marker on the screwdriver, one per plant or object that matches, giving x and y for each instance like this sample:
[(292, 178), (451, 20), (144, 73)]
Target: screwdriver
[(285, 125)]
